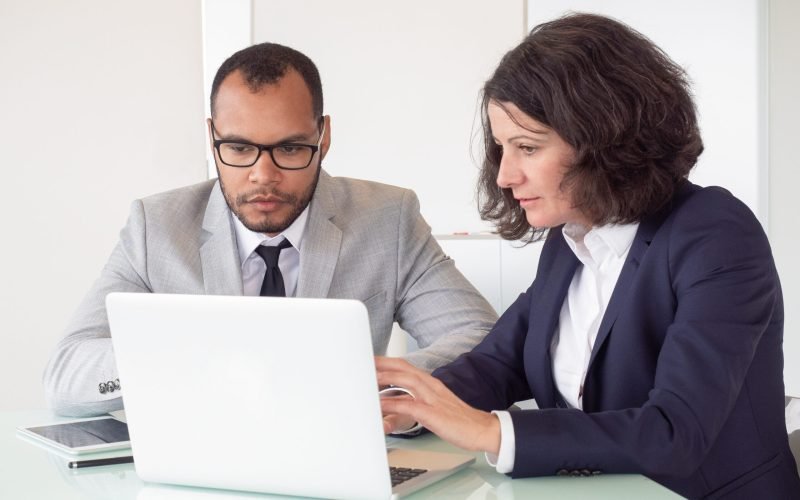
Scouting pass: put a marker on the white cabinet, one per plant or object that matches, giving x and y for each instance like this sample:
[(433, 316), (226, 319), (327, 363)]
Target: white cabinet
[(499, 269)]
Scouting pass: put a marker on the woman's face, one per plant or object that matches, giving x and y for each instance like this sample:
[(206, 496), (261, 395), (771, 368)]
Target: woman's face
[(534, 160)]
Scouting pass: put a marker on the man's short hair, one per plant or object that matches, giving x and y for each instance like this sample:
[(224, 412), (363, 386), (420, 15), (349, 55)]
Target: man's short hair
[(622, 104), (265, 64)]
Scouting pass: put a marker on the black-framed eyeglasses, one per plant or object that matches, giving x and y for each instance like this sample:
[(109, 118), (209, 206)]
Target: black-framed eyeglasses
[(286, 155)]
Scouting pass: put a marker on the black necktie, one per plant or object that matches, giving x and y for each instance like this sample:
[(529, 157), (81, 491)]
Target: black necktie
[(273, 279)]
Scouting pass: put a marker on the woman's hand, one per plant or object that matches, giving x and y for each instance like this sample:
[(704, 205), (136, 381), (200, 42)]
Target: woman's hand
[(435, 407)]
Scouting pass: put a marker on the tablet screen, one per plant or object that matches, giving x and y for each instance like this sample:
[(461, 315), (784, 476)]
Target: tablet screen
[(84, 433)]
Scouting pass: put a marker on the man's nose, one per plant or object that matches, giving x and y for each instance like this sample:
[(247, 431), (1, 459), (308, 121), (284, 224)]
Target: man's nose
[(264, 170)]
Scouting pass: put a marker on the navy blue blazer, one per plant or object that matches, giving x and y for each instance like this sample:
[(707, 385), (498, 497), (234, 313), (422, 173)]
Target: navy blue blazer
[(685, 381)]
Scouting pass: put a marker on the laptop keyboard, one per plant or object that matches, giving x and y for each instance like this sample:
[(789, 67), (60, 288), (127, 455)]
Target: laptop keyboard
[(403, 474)]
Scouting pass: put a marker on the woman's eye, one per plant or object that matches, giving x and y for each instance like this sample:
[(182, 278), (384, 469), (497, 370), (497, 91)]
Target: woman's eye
[(528, 150)]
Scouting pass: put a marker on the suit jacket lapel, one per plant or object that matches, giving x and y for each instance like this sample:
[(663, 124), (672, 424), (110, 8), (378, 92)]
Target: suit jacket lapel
[(321, 243), (641, 242), (648, 228), (545, 312), (219, 257)]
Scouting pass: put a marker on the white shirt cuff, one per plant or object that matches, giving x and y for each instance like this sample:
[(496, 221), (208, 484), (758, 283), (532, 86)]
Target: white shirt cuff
[(504, 460)]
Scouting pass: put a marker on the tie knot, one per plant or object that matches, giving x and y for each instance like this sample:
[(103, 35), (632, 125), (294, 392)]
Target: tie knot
[(271, 254)]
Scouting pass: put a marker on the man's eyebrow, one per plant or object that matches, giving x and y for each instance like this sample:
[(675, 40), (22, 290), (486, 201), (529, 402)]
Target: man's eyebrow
[(238, 138), (230, 137), (296, 138)]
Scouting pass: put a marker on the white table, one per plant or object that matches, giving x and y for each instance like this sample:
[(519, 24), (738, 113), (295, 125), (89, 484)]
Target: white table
[(29, 470)]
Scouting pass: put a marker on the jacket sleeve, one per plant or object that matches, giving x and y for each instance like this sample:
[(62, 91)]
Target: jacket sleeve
[(436, 305), (492, 376), (84, 358)]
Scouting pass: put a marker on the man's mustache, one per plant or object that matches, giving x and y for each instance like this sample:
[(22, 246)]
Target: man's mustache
[(266, 195)]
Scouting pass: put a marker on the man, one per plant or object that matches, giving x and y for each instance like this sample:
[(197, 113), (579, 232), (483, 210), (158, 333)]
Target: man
[(274, 223)]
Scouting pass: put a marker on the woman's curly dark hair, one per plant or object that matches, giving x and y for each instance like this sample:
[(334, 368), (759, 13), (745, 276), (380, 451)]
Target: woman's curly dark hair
[(622, 104)]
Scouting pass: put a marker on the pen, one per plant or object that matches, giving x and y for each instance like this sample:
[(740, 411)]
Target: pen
[(99, 461)]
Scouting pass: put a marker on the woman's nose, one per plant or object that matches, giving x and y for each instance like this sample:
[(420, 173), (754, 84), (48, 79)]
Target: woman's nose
[(509, 174)]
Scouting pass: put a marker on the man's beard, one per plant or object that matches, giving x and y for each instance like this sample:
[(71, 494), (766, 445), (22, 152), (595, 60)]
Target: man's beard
[(297, 203)]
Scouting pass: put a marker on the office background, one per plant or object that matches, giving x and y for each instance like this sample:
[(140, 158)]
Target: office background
[(103, 102)]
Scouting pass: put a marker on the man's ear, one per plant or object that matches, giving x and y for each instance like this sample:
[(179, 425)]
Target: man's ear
[(210, 135), (326, 139)]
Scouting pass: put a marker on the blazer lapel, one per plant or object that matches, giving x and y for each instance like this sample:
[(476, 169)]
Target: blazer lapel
[(641, 242), (545, 312), (219, 257), (321, 243)]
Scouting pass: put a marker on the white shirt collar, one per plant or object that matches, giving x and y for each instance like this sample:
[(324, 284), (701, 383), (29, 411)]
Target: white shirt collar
[(617, 237), (247, 240)]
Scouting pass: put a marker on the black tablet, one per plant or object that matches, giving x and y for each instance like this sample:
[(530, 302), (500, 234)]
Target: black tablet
[(82, 436)]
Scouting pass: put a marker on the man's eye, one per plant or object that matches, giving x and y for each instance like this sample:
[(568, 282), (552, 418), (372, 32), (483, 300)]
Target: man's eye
[(239, 148), (289, 149)]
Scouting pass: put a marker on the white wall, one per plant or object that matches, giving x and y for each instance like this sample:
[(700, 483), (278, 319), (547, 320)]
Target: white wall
[(101, 103), (784, 172), (226, 29), (401, 83)]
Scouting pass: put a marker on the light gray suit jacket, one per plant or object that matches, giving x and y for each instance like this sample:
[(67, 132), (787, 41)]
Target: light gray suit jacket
[(364, 241)]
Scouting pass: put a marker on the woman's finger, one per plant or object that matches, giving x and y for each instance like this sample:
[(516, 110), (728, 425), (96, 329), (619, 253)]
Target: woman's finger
[(419, 385), (405, 410), (397, 423)]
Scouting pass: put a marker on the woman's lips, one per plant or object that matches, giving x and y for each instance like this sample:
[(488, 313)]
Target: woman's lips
[(526, 202)]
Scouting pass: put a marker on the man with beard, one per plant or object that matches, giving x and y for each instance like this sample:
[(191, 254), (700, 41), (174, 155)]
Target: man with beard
[(273, 224)]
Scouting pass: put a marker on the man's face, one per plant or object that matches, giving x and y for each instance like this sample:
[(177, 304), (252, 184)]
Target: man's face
[(264, 197)]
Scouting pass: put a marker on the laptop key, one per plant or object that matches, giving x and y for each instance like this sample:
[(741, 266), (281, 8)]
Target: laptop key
[(402, 474)]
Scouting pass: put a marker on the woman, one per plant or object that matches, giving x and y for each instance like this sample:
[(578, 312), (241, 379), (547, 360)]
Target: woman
[(651, 337)]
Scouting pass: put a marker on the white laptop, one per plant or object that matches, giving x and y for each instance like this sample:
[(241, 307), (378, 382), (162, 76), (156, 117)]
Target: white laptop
[(274, 395)]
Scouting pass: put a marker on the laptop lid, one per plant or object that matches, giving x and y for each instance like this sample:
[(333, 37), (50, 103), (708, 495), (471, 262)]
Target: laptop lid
[(274, 395)]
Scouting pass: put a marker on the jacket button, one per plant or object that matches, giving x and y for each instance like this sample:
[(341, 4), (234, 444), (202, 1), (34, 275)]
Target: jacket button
[(596, 472), (586, 472), (116, 384), (102, 388), (110, 385), (562, 472), (575, 473)]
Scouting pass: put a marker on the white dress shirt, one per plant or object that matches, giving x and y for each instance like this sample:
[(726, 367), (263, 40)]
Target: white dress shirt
[(602, 251), (254, 267)]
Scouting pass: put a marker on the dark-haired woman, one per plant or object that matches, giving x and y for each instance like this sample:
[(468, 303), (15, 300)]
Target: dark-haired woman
[(651, 337)]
